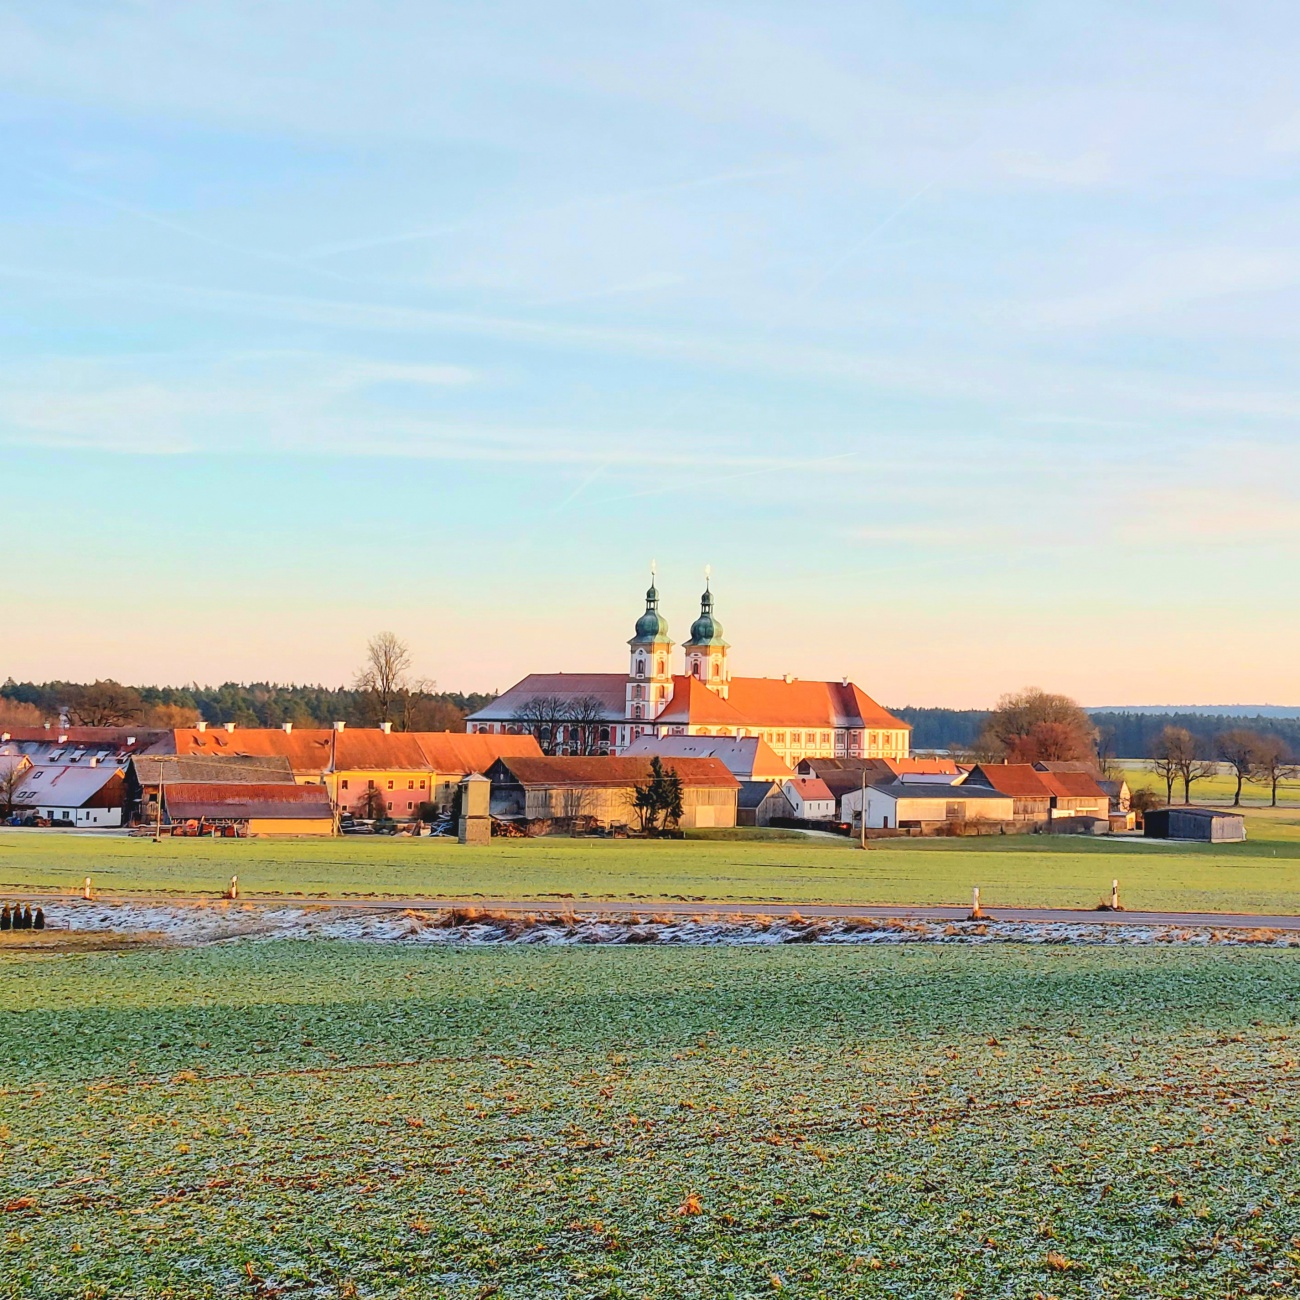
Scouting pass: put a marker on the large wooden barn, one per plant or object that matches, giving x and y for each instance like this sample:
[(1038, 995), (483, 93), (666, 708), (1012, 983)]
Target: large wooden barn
[(599, 791)]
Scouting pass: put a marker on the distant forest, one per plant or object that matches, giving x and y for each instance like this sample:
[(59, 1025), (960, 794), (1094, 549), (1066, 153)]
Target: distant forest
[(1127, 734), (256, 704)]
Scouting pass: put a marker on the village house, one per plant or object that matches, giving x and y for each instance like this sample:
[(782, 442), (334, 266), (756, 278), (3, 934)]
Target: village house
[(599, 791), (844, 775), (598, 713), (91, 795), (810, 798)]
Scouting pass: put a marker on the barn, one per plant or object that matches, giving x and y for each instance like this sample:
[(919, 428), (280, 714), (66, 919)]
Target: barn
[(600, 790), (1210, 825), (232, 808)]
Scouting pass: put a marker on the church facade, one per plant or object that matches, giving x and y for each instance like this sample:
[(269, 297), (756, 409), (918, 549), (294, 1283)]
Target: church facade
[(605, 712)]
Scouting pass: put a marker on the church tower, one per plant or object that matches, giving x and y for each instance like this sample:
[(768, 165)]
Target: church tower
[(706, 651), (650, 668)]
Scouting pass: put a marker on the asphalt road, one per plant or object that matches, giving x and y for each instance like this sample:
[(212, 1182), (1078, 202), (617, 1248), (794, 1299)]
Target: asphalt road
[(646, 908)]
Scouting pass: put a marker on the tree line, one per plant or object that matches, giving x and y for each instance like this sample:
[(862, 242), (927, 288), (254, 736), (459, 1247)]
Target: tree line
[(383, 690)]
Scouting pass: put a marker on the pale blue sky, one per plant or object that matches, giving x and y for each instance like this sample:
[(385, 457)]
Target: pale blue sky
[(959, 338)]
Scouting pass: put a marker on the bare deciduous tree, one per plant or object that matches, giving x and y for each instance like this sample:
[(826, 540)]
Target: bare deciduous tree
[(383, 679), (12, 771), (541, 716), (1172, 748), (1241, 750), (584, 716), (1274, 763)]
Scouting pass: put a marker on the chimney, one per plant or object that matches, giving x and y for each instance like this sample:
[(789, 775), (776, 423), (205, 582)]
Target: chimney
[(338, 726), (288, 728), (386, 728), (200, 725), (4, 737), (230, 726), (844, 681), (63, 738), (94, 762), (787, 679)]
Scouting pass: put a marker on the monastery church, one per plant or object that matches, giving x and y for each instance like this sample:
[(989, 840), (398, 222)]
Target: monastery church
[(797, 719)]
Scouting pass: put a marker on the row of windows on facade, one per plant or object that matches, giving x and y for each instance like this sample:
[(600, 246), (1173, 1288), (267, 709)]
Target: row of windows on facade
[(370, 785), (715, 670)]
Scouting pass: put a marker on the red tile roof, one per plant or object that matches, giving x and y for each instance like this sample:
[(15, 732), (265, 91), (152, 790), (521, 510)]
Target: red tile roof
[(1020, 780), (693, 703), (193, 800), (1073, 785), (314, 751), (616, 771), (811, 787)]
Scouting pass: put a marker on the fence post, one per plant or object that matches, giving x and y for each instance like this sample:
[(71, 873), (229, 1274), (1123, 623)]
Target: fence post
[(86, 891), (1114, 895)]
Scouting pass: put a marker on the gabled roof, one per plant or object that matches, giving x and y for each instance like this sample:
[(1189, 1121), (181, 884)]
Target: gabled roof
[(66, 787), (1020, 780), (244, 769), (748, 758), (456, 752), (133, 739), (609, 688), (810, 788), (187, 801), (932, 790), (627, 772), (774, 702), (752, 793), (308, 750), (693, 704), (1074, 785)]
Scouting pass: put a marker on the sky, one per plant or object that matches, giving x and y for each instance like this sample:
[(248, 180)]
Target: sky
[(959, 339)]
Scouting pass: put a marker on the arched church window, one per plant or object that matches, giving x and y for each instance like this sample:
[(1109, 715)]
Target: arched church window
[(636, 711), (695, 668), (661, 668), (640, 667), (715, 668)]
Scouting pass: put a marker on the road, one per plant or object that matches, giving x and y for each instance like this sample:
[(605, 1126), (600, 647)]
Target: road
[(647, 908)]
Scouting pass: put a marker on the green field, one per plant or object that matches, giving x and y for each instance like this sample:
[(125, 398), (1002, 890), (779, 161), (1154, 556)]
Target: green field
[(1217, 789), (340, 1120), (1262, 875)]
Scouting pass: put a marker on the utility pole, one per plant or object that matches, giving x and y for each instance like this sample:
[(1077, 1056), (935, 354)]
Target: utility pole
[(863, 809)]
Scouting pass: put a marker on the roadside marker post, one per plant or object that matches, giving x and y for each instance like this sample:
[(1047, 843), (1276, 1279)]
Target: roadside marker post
[(86, 891)]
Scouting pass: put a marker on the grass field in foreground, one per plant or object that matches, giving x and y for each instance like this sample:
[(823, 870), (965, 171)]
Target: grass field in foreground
[(1262, 875), (341, 1120)]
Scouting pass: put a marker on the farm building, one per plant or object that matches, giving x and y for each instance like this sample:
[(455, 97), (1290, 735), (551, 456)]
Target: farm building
[(1039, 797), (760, 801), (810, 798), (148, 774), (369, 771), (926, 805), (1211, 825), (843, 775), (90, 796), (236, 808), (600, 790), (748, 758)]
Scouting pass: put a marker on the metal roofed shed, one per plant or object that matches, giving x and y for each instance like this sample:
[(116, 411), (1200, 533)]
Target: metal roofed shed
[(926, 806), (1208, 825)]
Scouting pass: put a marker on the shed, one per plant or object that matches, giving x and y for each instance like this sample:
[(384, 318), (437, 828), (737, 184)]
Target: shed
[(245, 809), (759, 802), (1210, 825)]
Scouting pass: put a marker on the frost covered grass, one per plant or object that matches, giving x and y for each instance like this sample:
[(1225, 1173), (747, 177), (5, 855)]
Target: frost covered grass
[(326, 1119), (1262, 875)]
